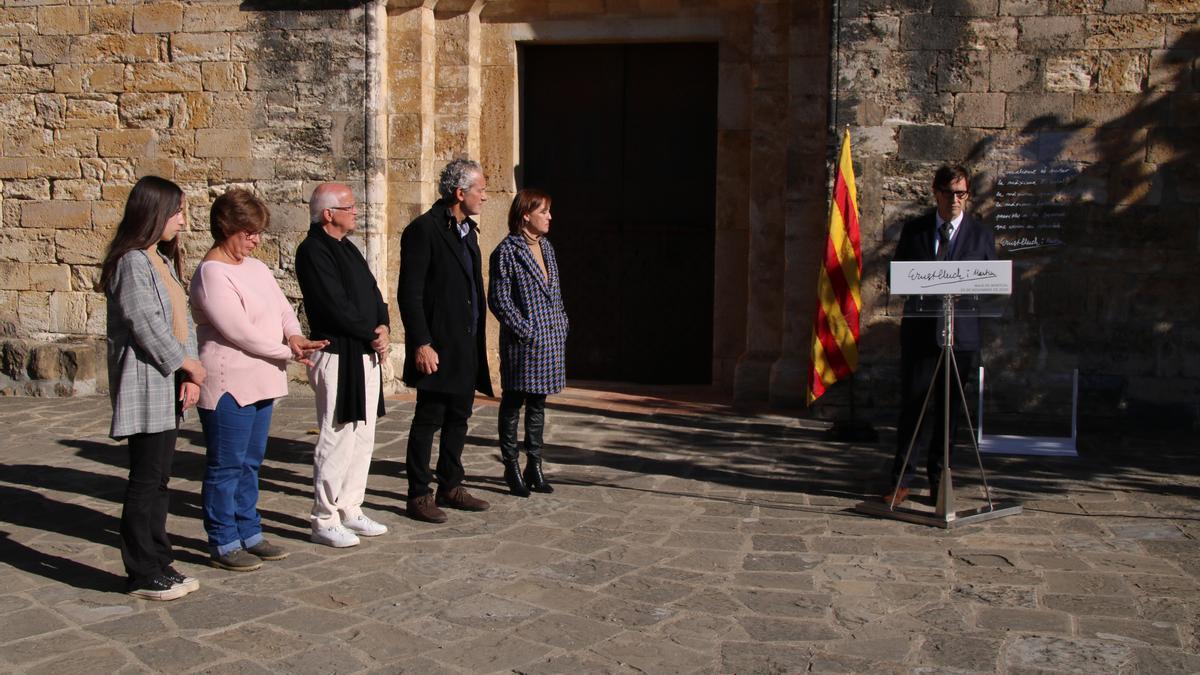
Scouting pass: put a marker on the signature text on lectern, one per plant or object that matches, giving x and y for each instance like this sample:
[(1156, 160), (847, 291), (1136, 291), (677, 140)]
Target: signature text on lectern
[(947, 277)]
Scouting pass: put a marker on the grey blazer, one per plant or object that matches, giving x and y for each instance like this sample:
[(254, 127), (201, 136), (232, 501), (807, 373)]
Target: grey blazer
[(143, 353)]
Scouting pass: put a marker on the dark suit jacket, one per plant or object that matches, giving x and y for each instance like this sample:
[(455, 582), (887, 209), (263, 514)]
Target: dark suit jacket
[(973, 241), (436, 305)]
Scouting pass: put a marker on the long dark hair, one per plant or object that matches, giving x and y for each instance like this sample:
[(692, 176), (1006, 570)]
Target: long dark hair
[(524, 203), (152, 202)]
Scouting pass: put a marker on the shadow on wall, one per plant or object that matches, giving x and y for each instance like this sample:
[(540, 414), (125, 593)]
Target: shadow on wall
[(1105, 250)]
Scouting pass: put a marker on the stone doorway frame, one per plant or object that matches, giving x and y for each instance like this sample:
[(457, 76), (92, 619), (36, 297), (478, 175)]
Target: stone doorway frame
[(453, 75)]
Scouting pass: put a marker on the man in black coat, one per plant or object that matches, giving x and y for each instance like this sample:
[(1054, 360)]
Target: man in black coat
[(947, 233), (442, 305)]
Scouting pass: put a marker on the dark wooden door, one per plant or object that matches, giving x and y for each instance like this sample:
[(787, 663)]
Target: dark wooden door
[(623, 137)]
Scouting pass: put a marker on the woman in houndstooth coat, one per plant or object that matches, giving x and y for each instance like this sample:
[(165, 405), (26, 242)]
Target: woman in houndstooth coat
[(524, 295)]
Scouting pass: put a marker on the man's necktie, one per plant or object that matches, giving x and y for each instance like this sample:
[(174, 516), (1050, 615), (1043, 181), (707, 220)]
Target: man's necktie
[(943, 251)]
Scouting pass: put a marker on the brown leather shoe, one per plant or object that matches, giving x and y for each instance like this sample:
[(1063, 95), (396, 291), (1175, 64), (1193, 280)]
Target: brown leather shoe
[(458, 498), (899, 495), (423, 508)]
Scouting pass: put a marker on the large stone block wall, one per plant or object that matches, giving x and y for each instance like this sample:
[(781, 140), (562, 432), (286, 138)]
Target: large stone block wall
[(1105, 92), (207, 94)]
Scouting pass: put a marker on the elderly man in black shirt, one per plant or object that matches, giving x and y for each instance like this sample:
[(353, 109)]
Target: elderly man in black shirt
[(344, 306)]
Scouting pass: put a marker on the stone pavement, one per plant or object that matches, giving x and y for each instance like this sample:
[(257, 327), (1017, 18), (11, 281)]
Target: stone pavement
[(683, 537)]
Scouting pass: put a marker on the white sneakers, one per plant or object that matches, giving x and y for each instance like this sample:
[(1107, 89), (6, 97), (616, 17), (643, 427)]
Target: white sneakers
[(335, 536), (364, 526), (346, 534)]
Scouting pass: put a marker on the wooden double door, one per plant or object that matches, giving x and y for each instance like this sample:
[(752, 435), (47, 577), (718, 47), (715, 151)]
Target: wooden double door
[(623, 138)]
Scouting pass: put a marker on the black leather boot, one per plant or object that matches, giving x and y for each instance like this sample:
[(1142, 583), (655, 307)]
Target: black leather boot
[(510, 416), (512, 476), (534, 478), (535, 423)]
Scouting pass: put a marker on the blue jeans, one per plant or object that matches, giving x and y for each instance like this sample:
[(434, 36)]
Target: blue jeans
[(236, 437)]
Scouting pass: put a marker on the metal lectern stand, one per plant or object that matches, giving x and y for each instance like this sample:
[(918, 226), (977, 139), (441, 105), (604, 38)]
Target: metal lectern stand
[(944, 514)]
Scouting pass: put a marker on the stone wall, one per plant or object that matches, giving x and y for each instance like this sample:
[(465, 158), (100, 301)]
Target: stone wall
[(1094, 100), (207, 94)]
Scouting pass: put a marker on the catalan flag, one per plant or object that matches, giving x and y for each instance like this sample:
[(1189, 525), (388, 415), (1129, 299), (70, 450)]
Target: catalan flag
[(835, 329)]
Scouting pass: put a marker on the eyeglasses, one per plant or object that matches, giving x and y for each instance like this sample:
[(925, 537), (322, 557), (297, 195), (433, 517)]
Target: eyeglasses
[(957, 194), (352, 207)]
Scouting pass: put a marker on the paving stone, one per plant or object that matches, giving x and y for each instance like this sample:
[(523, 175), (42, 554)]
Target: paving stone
[(403, 608), (777, 542), (239, 667), (489, 612), (783, 580), (330, 659), (39, 648), (566, 631), (709, 601), (1158, 633), (771, 562), (700, 631), (584, 571), (1087, 583), (262, 643), (1092, 605), (1065, 654), (1009, 596), (794, 605), (1159, 660), (1158, 584), (441, 632), (627, 613), (652, 657), (217, 610), (547, 594), (646, 589), (956, 651), (103, 659), (173, 654), (753, 657), (385, 643), (352, 591), (774, 629), (1055, 560), (132, 629), (11, 603), (310, 620), (26, 622), (904, 592), (1024, 620), (491, 653)]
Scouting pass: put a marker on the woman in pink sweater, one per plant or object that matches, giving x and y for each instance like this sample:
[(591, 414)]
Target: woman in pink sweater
[(247, 331)]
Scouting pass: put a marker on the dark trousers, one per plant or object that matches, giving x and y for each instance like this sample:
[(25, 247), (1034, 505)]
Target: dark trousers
[(535, 423), (917, 371), (145, 547), (437, 410)]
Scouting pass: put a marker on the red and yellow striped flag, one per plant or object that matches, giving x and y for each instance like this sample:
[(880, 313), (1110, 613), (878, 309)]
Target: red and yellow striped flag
[(835, 330)]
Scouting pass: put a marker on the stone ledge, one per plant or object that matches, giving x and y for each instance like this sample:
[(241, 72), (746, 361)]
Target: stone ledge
[(35, 368)]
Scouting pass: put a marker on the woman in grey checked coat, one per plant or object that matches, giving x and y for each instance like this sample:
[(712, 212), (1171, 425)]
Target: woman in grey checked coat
[(524, 295), (153, 375)]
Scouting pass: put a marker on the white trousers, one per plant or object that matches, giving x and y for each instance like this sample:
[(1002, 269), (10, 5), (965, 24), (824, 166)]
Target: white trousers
[(342, 458)]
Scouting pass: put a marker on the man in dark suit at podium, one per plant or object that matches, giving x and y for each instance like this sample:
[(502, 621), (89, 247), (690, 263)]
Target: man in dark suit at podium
[(947, 233)]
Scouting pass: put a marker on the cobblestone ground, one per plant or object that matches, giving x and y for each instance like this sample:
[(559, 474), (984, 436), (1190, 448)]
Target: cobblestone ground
[(682, 538)]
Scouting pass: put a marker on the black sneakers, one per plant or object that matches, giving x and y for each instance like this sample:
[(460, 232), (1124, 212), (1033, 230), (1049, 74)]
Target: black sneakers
[(158, 588), (177, 578)]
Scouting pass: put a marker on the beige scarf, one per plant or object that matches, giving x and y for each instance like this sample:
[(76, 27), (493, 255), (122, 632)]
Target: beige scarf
[(179, 324)]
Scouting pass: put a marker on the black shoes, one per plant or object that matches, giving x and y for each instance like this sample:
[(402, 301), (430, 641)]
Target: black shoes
[(512, 476), (534, 478), (158, 588)]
